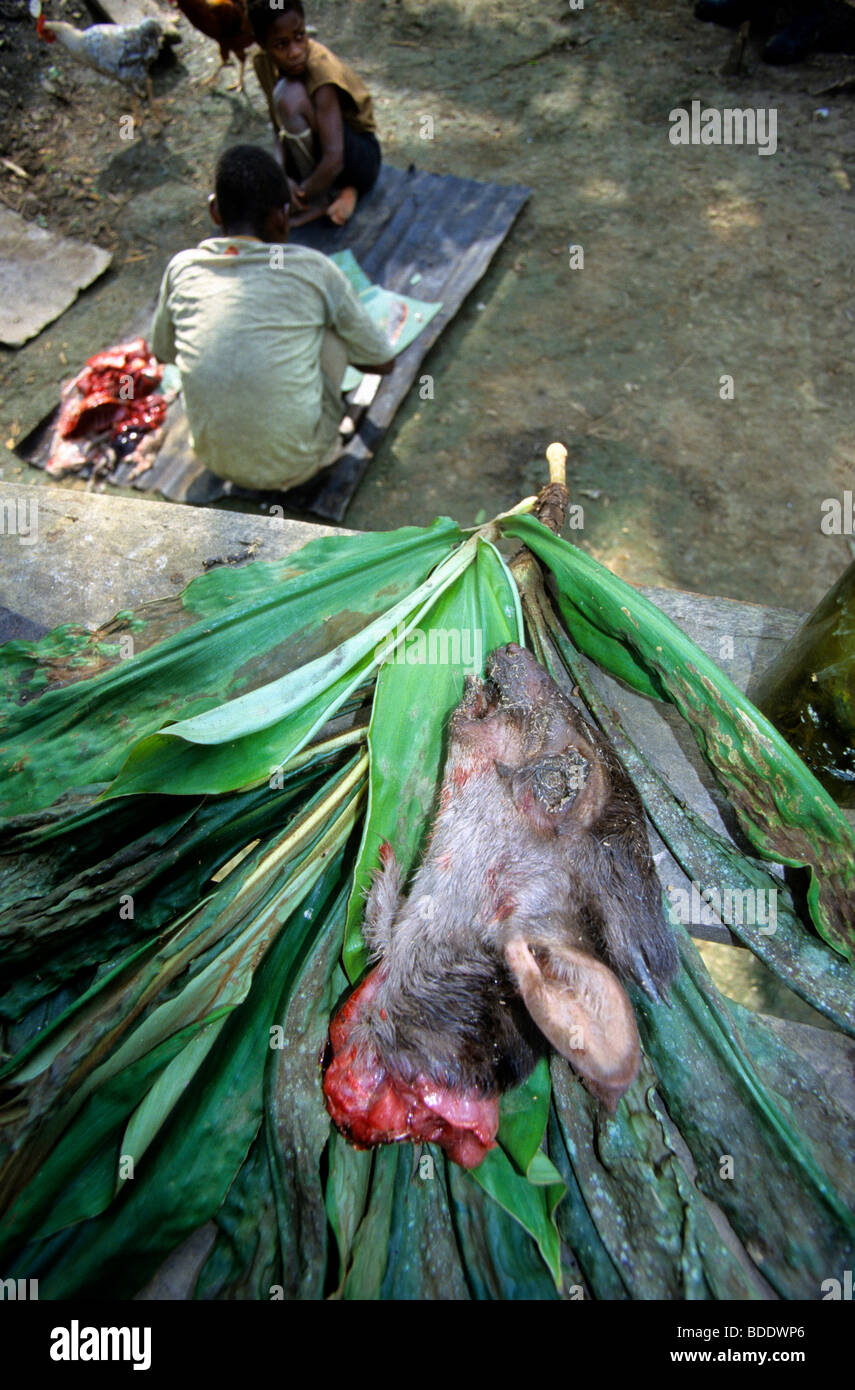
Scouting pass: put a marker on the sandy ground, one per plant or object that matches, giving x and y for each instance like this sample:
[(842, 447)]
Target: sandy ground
[(699, 262)]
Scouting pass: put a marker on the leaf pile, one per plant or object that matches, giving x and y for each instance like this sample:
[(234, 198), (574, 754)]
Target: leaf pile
[(188, 834)]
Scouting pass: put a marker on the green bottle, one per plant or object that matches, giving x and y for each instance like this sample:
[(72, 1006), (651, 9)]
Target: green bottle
[(808, 692)]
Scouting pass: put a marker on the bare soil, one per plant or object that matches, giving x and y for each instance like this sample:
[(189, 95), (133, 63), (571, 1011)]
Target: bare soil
[(699, 262)]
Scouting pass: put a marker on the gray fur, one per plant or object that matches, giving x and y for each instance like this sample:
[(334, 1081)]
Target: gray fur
[(539, 832)]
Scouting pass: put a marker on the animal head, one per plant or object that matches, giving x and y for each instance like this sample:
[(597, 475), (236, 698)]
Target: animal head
[(542, 898)]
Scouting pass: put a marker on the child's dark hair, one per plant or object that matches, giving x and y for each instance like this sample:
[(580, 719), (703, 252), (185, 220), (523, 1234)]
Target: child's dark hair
[(249, 185), (264, 13)]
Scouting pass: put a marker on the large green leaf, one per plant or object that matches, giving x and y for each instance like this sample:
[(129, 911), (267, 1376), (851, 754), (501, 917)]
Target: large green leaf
[(407, 733), (246, 739), (256, 623), (202, 1145)]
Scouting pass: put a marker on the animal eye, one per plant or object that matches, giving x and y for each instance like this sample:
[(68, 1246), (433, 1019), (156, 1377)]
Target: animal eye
[(558, 780)]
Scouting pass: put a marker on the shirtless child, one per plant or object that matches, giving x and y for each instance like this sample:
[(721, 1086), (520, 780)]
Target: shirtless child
[(321, 112)]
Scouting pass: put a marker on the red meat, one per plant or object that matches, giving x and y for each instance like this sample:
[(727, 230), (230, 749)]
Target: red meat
[(114, 393), (373, 1105)]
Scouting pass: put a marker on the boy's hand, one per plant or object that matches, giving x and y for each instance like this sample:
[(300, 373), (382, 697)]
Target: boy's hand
[(298, 197)]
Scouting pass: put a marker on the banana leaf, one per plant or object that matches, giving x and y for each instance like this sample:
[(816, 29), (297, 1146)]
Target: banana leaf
[(274, 616)]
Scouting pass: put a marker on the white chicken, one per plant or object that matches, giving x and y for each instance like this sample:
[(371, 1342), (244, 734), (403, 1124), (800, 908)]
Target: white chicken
[(123, 51)]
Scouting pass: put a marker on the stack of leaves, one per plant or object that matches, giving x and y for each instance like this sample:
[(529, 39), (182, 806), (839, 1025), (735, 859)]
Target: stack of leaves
[(193, 802)]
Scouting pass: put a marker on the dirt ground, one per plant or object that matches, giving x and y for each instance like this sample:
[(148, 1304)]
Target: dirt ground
[(699, 262)]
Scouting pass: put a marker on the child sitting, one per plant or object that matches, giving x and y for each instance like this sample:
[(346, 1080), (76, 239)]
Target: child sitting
[(321, 112), (262, 333)]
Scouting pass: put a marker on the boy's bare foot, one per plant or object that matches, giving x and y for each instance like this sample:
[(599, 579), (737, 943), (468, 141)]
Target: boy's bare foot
[(342, 208)]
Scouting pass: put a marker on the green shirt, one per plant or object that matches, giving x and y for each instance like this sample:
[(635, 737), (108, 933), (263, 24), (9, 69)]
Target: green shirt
[(244, 322)]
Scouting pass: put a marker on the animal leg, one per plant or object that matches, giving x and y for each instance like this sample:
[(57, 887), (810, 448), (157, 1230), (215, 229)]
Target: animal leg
[(155, 110), (238, 86), (212, 77)]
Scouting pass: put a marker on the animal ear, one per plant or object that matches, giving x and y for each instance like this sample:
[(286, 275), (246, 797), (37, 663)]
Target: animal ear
[(580, 1006)]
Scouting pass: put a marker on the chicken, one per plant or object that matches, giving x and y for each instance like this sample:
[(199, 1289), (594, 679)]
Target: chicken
[(123, 51), (226, 21)]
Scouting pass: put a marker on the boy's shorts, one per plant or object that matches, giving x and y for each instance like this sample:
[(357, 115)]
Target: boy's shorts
[(362, 157), (362, 160)]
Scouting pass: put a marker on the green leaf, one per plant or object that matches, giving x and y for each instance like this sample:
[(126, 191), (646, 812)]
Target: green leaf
[(637, 1224), (412, 702), (63, 880), (499, 1257), (523, 1113), (245, 740), (785, 1201), (346, 1196), (190, 1167), (517, 1174), (78, 1179), (216, 950), (173, 1081), (257, 623), (272, 1229), (371, 1244)]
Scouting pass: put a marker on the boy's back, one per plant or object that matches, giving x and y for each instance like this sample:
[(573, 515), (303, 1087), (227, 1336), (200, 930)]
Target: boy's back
[(245, 321)]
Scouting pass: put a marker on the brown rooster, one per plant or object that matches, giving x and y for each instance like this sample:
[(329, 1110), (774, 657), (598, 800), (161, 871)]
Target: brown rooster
[(227, 22)]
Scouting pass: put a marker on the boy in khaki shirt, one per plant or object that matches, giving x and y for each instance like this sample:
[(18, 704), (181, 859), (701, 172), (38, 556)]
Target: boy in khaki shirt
[(261, 333), (321, 112)]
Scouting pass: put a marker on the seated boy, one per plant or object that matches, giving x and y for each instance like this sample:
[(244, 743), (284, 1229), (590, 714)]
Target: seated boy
[(321, 112), (261, 333)]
